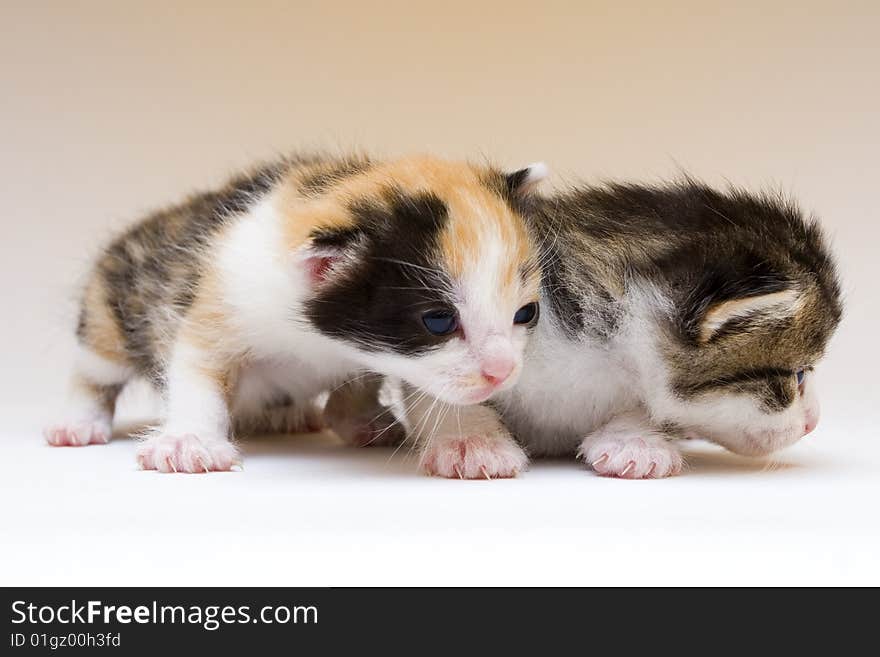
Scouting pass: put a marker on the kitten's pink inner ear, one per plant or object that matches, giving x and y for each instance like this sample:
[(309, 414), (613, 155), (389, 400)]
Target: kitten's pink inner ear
[(319, 261), (318, 266)]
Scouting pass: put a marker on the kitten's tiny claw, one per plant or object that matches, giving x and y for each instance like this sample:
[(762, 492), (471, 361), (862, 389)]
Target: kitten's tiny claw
[(185, 453), (493, 456), (237, 467), (631, 452)]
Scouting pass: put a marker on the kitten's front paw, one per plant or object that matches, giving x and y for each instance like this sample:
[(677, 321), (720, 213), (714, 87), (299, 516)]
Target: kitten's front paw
[(186, 453), (647, 455), (78, 433), (492, 456)]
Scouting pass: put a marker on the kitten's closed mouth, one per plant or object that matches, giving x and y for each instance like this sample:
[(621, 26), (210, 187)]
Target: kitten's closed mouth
[(482, 394)]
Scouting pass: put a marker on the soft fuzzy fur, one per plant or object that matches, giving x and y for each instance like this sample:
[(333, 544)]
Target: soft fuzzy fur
[(244, 305), (673, 311), (668, 312)]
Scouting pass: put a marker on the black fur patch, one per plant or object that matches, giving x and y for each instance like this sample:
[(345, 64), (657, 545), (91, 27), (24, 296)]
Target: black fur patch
[(81, 324), (778, 393), (338, 238), (507, 186), (775, 387), (378, 300), (739, 378), (564, 303), (739, 276), (240, 193)]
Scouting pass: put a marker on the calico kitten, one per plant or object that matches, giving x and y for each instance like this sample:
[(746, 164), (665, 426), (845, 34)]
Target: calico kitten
[(667, 312), (244, 305), (671, 312)]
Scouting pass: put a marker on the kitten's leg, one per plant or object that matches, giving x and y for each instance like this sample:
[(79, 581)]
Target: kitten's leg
[(195, 434), (264, 405), (101, 369), (282, 414), (465, 442), (356, 413), (631, 447), (88, 416)]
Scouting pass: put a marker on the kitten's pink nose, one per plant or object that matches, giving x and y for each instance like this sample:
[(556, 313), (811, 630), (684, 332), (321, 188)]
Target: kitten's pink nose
[(498, 369), (811, 420)]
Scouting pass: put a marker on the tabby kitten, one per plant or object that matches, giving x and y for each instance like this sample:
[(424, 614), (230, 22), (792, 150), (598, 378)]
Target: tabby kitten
[(675, 311)]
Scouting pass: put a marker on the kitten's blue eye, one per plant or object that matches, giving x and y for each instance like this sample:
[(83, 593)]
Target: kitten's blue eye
[(526, 314), (800, 375), (440, 322)]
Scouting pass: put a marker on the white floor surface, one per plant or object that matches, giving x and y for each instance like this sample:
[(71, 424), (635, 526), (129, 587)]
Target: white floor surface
[(307, 511)]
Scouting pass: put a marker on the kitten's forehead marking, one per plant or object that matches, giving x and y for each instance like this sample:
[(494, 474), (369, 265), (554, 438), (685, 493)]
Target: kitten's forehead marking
[(478, 217), (482, 244), (484, 237)]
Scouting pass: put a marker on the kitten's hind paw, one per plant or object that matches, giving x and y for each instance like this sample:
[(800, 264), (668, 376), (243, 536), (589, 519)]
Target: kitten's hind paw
[(378, 433), (286, 419), (79, 433), (186, 453)]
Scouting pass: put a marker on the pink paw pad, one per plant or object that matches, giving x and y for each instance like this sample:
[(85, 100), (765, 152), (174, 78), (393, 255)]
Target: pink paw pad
[(474, 457), (633, 458), (187, 453), (78, 434)]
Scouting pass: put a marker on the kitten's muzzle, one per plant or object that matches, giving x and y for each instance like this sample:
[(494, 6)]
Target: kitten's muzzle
[(492, 381)]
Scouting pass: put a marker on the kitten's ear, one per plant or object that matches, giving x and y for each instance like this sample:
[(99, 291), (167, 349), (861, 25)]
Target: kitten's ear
[(773, 305), (325, 251), (525, 181)]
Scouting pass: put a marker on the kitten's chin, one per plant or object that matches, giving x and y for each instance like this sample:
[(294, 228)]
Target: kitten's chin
[(757, 444), (481, 396), (486, 393), (467, 397)]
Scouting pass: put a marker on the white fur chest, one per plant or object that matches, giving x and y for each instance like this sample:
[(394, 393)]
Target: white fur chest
[(568, 388), (265, 291)]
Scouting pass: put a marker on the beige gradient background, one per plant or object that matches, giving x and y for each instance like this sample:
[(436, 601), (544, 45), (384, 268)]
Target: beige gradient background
[(109, 109), (112, 108)]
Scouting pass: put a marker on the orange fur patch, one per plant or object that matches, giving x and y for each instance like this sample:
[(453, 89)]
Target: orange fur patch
[(208, 329), (476, 213), (101, 332)]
